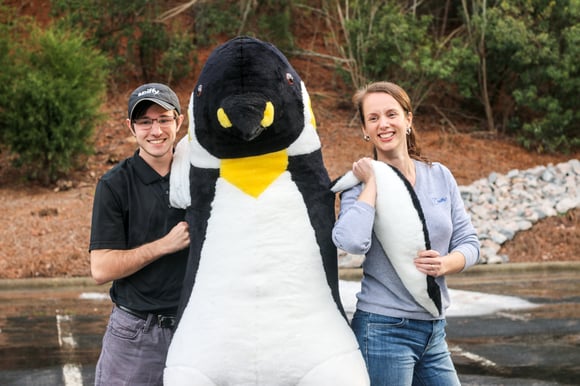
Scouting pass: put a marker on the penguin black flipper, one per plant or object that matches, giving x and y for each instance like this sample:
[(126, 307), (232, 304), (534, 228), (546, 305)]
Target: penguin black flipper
[(197, 217), (309, 174)]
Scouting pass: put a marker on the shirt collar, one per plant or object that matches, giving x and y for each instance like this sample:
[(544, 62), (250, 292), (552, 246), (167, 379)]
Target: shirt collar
[(145, 172)]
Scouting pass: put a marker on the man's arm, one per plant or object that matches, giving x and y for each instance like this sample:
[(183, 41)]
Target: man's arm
[(112, 264)]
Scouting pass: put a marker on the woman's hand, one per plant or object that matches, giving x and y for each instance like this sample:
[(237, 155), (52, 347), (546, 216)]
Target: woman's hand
[(363, 169), (431, 263)]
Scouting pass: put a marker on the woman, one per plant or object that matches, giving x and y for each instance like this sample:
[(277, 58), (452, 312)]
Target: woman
[(402, 343)]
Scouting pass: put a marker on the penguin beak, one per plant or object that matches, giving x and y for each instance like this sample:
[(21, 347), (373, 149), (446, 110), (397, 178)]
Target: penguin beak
[(247, 115)]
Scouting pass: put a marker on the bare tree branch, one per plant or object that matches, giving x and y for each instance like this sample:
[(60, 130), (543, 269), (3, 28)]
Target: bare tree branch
[(177, 10)]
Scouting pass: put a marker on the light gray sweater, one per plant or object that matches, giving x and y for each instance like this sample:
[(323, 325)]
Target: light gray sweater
[(449, 227)]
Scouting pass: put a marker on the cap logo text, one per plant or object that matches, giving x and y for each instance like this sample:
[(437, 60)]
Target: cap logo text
[(153, 91)]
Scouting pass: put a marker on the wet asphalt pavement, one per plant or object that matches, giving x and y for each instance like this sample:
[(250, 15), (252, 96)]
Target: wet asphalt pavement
[(51, 330), (534, 346)]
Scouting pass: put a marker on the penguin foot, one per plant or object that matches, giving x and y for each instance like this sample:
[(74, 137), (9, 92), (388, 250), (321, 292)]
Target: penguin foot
[(185, 376), (345, 370)]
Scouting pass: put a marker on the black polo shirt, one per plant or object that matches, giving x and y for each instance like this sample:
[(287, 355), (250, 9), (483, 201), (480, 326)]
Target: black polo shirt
[(131, 208)]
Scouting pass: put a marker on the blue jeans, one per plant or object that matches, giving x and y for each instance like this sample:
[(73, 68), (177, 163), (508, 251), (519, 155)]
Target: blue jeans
[(400, 352)]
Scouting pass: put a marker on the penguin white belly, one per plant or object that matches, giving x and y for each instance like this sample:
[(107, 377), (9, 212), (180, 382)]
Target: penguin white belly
[(261, 312)]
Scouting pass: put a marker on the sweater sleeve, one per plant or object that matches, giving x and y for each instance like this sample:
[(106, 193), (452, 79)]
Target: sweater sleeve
[(352, 232), (464, 237)]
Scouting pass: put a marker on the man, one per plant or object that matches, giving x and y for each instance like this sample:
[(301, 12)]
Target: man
[(140, 244)]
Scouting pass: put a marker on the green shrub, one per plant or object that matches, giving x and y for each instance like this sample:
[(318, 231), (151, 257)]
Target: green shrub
[(9, 24), (215, 18), (388, 41), (531, 50), (274, 23), (512, 64), (143, 43), (54, 102)]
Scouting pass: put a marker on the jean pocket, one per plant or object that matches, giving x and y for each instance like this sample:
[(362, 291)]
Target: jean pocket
[(379, 321), (125, 326)]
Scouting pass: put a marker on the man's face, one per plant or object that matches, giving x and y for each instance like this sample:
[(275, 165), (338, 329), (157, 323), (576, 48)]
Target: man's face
[(155, 132)]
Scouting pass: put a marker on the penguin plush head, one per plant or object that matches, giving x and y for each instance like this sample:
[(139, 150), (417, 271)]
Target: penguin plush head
[(249, 114), (248, 100)]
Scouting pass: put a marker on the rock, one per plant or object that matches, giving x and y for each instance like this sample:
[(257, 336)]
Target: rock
[(566, 204), (502, 205)]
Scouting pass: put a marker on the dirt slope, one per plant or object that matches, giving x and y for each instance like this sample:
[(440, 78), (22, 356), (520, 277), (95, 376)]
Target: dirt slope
[(46, 230)]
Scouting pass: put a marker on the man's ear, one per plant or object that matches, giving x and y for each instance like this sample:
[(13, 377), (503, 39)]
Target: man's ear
[(180, 119), (130, 126)]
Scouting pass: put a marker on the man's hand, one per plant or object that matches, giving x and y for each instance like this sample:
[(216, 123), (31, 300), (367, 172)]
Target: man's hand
[(177, 238)]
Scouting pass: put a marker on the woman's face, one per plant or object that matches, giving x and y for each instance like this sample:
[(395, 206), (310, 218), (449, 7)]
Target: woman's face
[(386, 123)]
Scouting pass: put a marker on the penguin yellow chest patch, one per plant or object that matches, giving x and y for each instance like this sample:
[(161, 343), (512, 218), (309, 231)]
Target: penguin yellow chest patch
[(253, 175)]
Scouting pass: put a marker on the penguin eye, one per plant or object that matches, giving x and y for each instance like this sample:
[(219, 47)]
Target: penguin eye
[(199, 90), (289, 78)]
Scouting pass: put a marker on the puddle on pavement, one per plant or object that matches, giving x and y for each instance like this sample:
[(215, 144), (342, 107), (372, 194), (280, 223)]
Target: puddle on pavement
[(540, 345), (542, 285), (44, 330), (48, 329)]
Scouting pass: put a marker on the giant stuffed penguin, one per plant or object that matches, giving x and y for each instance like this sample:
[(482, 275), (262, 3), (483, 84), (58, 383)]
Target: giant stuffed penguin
[(401, 229), (260, 304)]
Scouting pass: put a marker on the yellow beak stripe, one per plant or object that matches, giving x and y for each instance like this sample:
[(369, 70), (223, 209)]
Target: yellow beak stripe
[(312, 119), (253, 175), (268, 118), (223, 118)]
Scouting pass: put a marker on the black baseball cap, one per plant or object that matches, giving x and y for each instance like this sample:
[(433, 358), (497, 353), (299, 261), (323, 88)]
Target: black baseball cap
[(155, 92)]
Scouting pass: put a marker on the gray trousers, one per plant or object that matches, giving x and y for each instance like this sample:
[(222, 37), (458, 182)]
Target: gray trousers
[(133, 351)]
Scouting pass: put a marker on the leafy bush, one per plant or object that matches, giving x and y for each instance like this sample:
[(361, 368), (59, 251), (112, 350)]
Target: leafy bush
[(215, 18), (9, 28), (389, 41), (54, 99), (531, 50), (156, 40), (144, 44), (514, 63), (274, 23)]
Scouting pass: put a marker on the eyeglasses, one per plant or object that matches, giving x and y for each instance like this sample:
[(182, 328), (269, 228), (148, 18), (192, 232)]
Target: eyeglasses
[(147, 123)]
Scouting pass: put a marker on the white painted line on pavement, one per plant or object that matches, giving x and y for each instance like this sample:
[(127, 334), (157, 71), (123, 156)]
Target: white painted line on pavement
[(66, 339), (71, 372), (72, 375), (94, 296), (473, 357)]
